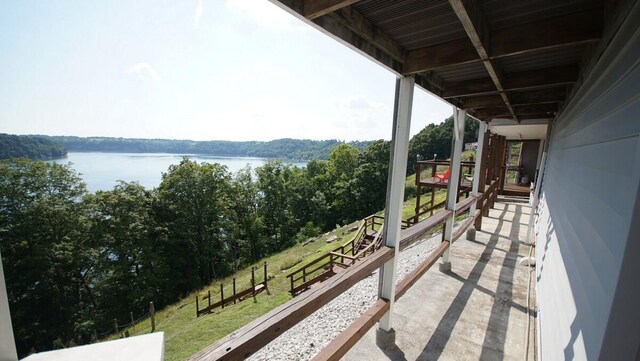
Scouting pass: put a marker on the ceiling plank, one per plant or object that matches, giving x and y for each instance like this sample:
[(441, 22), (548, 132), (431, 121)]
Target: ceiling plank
[(433, 57), (568, 30), (475, 26), (553, 95), (317, 8), (483, 101), (526, 80), (563, 31)]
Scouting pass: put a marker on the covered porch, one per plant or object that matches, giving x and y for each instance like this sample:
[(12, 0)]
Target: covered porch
[(484, 308)]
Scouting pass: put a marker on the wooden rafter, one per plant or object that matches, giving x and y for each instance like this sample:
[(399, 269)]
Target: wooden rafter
[(477, 30), (317, 8), (563, 31), (526, 80)]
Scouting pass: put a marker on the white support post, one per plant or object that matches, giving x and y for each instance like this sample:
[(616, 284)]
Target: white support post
[(395, 195), (7, 343), (459, 116), (471, 232)]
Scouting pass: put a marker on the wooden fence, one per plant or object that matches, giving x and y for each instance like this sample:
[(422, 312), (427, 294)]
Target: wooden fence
[(236, 296), (250, 338)]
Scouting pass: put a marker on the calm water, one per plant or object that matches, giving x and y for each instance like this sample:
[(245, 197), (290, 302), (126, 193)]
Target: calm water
[(101, 171)]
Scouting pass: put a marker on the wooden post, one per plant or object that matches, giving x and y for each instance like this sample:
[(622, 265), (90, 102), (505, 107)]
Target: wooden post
[(133, 325), (482, 175), (115, 324), (234, 290), (253, 282), (152, 312), (291, 282), (222, 295), (197, 309), (209, 298), (418, 191)]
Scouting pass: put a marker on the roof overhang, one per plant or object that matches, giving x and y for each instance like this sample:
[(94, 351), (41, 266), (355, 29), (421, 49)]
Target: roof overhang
[(499, 59)]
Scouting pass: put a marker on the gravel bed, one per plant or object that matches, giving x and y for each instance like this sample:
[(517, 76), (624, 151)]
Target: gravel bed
[(307, 338)]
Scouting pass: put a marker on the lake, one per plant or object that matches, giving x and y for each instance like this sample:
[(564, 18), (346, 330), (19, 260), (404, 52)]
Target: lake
[(101, 171)]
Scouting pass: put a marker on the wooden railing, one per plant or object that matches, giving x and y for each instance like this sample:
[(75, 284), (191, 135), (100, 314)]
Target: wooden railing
[(250, 338), (345, 255)]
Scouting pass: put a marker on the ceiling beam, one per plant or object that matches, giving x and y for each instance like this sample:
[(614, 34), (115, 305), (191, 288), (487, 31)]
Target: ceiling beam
[(317, 8), (472, 19), (542, 96), (568, 30), (526, 80), (483, 101)]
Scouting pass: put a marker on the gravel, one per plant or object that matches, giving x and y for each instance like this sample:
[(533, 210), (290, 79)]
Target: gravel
[(307, 338)]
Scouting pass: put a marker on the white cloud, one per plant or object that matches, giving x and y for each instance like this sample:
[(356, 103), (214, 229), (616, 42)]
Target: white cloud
[(198, 15), (143, 71), (266, 14)]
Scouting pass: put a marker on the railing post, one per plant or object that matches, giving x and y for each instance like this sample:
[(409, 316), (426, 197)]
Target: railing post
[(222, 296), (234, 290), (152, 313), (385, 335), (418, 191), (454, 178), (478, 179)]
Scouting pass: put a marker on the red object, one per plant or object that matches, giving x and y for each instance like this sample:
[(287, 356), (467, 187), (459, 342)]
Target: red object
[(443, 176)]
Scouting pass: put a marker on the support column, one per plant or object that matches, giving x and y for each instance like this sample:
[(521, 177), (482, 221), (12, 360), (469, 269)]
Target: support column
[(7, 343), (454, 177), (385, 335), (478, 179)]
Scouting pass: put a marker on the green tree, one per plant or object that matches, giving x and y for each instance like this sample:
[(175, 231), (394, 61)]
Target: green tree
[(43, 240), (194, 203)]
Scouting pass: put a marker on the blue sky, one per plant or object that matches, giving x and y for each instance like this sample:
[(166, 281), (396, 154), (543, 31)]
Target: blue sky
[(209, 69)]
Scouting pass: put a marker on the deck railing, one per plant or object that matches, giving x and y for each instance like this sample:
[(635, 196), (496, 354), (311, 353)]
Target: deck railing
[(250, 338)]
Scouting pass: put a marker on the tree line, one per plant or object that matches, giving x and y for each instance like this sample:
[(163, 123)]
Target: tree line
[(32, 147), (290, 149), (76, 260)]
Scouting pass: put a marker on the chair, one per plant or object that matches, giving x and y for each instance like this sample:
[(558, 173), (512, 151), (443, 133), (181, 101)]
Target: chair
[(441, 177)]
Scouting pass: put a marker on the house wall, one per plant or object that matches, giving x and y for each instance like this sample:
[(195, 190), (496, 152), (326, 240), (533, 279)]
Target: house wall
[(586, 216)]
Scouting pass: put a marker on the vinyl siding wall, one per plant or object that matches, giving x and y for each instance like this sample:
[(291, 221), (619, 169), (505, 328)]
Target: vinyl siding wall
[(587, 203)]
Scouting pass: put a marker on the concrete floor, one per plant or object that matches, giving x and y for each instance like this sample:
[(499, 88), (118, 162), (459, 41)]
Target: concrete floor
[(476, 312)]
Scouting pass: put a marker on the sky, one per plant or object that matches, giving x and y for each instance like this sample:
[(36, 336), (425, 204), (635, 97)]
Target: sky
[(199, 69)]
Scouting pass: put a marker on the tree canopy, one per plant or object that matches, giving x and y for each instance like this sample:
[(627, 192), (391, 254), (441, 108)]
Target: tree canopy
[(32, 147)]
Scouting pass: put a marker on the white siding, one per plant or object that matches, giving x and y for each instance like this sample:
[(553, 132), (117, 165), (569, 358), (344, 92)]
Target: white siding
[(587, 201)]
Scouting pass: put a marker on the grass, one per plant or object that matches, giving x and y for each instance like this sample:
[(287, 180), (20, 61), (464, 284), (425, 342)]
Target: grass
[(185, 334)]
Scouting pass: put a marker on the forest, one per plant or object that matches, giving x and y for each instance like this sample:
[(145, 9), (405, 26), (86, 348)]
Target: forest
[(289, 149), (31, 147), (76, 260)]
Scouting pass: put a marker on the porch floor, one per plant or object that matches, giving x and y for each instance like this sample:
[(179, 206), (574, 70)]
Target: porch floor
[(478, 311)]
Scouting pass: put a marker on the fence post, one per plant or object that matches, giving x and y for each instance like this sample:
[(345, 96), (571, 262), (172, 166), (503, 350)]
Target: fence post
[(234, 290), (209, 298), (265, 274), (152, 312), (253, 283), (222, 295), (197, 307)]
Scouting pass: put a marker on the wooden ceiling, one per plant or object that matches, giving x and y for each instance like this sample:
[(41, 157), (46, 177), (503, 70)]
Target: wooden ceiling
[(499, 59)]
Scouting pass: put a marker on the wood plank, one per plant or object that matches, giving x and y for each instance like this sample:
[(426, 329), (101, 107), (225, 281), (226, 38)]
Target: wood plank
[(339, 346), (456, 52), (543, 96), (483, 101), (412, 234), (317, 8), (532, 79), (465, 204), (250, 338), (562, 31)]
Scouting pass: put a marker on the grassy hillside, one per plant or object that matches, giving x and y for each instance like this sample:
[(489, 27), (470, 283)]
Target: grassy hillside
[(185, 334)]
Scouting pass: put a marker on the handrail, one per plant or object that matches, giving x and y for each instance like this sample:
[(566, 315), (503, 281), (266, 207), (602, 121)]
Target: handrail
[(248, 339)]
